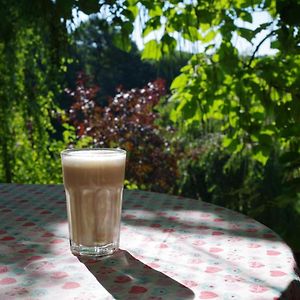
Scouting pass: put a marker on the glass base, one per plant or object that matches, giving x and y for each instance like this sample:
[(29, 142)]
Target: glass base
[(80, 250)]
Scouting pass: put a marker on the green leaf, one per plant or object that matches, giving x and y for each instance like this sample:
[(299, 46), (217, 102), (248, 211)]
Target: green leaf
[(168, 44), (151, 25), (147, 30), (209, 36), (260, 157), (155, 11), (205, 16), (233, 145), (122, 42), (152, 50), (130, 13), (265, 140), (289, 157), (228, 57), (89, 7), (134, 10), (176, 113), (186, 68), (131, 2), (261, 27), (226, 141), (293, 130), (246, 33), (189, 109), (205, 26), (245, 16), (179, 82), (193, 34), (64, 8), (127, 28), (275, 44), (215, 58)]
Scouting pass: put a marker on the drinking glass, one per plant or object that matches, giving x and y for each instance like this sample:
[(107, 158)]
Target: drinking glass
[(93, 181)]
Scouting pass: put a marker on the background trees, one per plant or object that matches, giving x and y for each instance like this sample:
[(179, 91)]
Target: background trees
[(95, 52), (32, 43)]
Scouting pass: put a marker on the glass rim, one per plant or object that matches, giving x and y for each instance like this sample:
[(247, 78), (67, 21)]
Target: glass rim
[(109, 151)]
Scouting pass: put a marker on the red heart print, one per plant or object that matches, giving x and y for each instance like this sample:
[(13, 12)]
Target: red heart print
[(258, 289), (253, 245), (137, 290), (277, 273), (7, 280), (218, 220), (208, 295), (48, 234), (122, 279), (26, 251), (7, 238), (273, 252), (59, 275), (3, 269), (217, 233), (56, 241), (215, 250), (35, 257), (70, 285), (28, 224), (269, 236), (212, 269)]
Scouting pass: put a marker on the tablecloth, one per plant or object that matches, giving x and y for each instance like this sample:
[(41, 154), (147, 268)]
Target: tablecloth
[(171, 248)]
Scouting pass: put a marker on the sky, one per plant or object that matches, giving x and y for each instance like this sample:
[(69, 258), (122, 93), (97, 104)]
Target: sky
[(243, 46)]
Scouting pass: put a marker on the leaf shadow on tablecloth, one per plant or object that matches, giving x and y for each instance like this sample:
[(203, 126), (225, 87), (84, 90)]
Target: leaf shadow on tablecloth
[(126, 277), (165, 212), (181, 218)]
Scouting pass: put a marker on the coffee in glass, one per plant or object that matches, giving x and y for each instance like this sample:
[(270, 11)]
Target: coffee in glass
[(93, 180)]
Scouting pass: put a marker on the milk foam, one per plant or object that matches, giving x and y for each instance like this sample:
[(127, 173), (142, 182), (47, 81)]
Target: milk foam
[(93, 158)]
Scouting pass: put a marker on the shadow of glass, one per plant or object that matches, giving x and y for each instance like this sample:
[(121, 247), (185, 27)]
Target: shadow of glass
[(125, 277), (33, 217)]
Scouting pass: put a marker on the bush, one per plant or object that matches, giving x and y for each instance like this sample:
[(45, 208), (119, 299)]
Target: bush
[(127, 121), (236, 181)]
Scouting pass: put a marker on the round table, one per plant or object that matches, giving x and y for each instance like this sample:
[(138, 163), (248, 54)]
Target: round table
[(171, 248)]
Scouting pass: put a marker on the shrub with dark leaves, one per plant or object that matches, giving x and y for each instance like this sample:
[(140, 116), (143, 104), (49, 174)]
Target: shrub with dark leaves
[(128, 122)]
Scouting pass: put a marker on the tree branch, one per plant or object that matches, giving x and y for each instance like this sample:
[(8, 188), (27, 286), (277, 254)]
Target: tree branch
[(258, 46)]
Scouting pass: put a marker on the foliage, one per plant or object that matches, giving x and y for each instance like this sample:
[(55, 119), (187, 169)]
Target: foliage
[(29, 72), (253, 102), (93, 50), (210, 172), (128, 121), (109, 66), (206, 173), (257, 109)]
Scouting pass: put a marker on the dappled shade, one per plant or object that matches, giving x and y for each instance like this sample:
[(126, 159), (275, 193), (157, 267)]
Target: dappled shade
[(164, 239)]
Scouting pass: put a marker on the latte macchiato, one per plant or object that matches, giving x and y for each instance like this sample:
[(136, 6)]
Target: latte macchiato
[(93, 181)]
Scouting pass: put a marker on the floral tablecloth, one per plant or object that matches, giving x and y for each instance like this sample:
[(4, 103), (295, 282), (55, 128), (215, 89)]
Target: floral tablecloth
[(171, 248)]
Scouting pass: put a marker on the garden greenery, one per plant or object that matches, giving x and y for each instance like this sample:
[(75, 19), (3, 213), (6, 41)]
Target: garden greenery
[(240, 112)]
